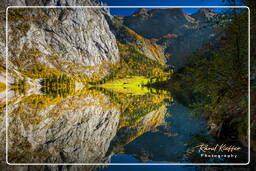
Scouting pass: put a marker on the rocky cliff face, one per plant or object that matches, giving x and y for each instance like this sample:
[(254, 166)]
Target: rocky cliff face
[(179, 33), (156, 23), (75, 42)]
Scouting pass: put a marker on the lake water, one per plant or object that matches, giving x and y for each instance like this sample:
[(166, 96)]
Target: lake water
[(97, 125), (168, 142)]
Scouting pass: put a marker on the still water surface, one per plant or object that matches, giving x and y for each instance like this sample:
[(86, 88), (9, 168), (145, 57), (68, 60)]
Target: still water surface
[(96, 125)]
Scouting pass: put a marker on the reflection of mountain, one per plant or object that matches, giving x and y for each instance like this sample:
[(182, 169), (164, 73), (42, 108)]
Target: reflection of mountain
[(169, 142), (135, 108), (78, 128), (128, 133), (139, 114)]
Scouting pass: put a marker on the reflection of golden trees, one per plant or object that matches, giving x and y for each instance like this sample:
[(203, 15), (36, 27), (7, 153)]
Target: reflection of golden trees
[(135, 107), (142, 113), (150, 125), (61, 85), (139, 113), (20, 86), (2, 87), (30, 106)]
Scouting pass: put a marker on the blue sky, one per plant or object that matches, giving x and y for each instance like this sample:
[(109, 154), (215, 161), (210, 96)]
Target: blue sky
[(129, 11)]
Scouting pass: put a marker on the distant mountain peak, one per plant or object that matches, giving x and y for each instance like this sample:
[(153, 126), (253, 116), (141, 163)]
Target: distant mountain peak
[(204, 10), (207, 12), (140, 11), (151, 12), (203, 14)]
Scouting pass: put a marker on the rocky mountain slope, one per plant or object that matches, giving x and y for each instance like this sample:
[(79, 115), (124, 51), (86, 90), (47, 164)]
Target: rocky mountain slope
[(70, 41), (127, 36), (179, 33), (155, 23)]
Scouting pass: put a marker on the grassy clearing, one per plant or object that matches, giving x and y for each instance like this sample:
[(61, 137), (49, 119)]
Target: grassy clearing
[(132, 85)]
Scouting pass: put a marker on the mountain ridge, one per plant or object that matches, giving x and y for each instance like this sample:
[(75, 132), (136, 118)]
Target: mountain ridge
[(177, 32)]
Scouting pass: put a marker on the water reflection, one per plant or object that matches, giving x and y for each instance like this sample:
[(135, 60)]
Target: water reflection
[(62, 125), (98, 125), (168, 144)]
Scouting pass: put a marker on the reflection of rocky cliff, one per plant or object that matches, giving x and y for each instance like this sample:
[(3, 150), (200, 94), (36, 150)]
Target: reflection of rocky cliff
[(77, 129)]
